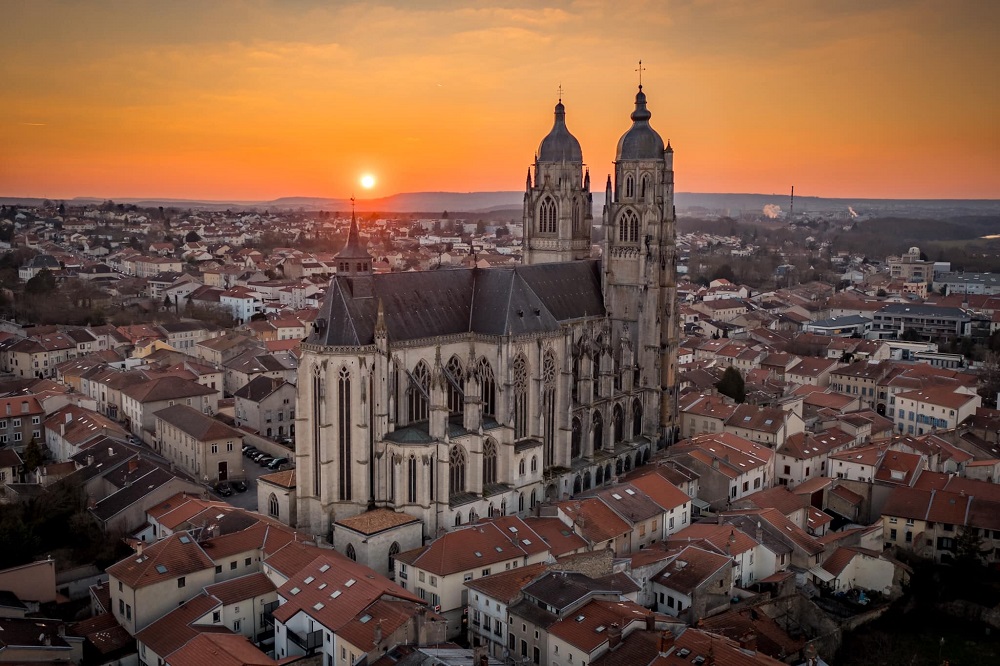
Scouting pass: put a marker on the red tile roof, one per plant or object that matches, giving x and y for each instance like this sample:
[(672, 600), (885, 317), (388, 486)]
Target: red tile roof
[(175, 556), (241, 589), (476, 546), (216, 649), (507, 585), (587, 628)]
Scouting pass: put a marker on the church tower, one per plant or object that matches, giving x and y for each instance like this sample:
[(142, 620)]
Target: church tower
[(639, 256), (557, 205)]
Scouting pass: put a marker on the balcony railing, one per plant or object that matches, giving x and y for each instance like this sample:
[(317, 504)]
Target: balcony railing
[(307, 642), (269, 612)]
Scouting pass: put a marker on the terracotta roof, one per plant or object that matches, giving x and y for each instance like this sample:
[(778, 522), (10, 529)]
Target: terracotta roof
[(176, 628), (812, 485), (193, 422), (781, 525), (691, 568), (818, 518), (507, 585), (375, 521), (594, 520), (845, 493), (736, 456), (291, 558), (751, 417), (284, 479), (771, 639), (693, 643), (724, 539), (660, 490), (559, 538), (841, 557), (241, 589), (899, 467), (387, 614), (104, 633), (700, 404), (587, 627), (166, 388), (175, 556), (629, 502), (476, 546), (776, 497)]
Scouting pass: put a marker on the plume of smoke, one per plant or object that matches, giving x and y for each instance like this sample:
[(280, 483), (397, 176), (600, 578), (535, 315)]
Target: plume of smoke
[(772, 211)]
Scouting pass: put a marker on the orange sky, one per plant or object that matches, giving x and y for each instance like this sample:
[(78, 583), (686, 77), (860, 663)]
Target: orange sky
[(267, 98)]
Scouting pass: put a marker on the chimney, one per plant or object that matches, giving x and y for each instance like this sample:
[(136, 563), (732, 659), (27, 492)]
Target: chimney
[(111, 452), (479, 657), (90, 460), (378, 633), (650, 622), (421, 623), (760, 533), (614, 635), (666, 642), (133, 465), (69, 418), (748, 641)]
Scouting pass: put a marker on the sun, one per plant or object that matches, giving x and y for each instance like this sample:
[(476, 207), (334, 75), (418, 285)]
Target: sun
[(368, 181)]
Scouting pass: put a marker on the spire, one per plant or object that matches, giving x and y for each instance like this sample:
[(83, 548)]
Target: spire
[(381, 330), (354, 248), (528, 181), (586, 179), (641, 113)]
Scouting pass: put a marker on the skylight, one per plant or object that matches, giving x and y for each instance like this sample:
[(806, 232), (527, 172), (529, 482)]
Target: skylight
[(294, 591), (512, 529), (499, 549), (308, 580), (161, 569), (319, 605), (365, 619), (184, 539), (616, 496), (350, 582), (322, 586), (746, 419), (630, 491), (478, 554), (526, 542), (580, 618), (325, 567), (335, 594)]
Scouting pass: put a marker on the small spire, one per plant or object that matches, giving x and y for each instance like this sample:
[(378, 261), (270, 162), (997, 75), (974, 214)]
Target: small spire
[(586, 180), (640, 70), (528, 182), (560, 92), (380, 328)]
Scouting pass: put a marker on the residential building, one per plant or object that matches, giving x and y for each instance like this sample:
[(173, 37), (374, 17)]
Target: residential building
[(204, 447), (140, 402), (729, 466), (266, 405)]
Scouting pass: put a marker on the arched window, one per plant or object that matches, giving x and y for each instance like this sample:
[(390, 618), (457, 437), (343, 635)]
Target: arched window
[(490, 456), (351, 553), (618, 419), (488, 388), (617, 369), (576, 448), (629, 186), (534, 499), (344, 430), (473, 516), (597, 429), (393, 552), (520, 467), (520, 501), (645, 185), (534, 464), (547, 216), (456, 470), (319, 411), (636, 418), (628, 227), (458, 518), (577, 216), (272, 506), (417, 393), (549, 409), (520, 369), (456, 386), (411, 480)]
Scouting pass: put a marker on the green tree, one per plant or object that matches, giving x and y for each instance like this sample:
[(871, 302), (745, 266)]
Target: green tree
[(34, 457), (732, 385), (192, 237), (969, 550), (43, 283), (910, 335)]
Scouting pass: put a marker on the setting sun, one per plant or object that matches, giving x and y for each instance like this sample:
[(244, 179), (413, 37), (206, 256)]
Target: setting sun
[(368, 181)]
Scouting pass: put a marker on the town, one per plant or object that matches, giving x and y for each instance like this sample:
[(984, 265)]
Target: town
[(835, 438)]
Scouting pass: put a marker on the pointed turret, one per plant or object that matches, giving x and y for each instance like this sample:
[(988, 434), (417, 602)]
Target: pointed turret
[(640, 142), (354, 259)]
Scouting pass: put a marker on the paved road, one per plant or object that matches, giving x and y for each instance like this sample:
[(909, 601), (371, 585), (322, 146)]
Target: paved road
[(248, 500)]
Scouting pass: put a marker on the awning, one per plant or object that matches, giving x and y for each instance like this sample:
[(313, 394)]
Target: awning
[(822, 574), (700, 504)]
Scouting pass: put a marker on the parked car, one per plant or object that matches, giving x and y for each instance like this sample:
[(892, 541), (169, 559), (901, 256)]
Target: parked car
[(247, 447), (223, 489), (251, 452), (265, 461), (278, 462), (240, 486), (258, 455)]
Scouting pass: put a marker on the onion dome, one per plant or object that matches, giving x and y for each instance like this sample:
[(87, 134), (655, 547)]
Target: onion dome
[(640, 142), (559, 145)]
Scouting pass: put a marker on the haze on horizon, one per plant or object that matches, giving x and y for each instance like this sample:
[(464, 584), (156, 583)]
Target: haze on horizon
[(255, 100)]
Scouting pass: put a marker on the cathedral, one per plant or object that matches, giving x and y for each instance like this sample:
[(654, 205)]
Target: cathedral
[(451, 395)]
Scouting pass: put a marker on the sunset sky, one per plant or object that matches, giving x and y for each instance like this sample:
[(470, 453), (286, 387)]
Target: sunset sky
[(260, 99)]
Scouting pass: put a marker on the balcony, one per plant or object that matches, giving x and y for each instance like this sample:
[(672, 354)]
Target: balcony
[(307, 642), (269, 612)]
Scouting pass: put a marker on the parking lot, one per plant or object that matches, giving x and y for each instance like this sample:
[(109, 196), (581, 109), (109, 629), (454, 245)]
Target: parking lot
[(248, 500)]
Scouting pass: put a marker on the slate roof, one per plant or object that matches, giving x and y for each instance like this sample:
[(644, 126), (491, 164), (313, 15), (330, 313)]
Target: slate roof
[(200, 426), (167, 388), (491, 301)]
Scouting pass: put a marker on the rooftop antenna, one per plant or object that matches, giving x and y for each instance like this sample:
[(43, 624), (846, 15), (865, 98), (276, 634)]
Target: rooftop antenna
[(791, 206), (640, 69)]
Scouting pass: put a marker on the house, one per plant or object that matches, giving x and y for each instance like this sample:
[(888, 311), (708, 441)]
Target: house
[(856, 568), (804, 456), (932, 408), (140, 402), (490, 597), (437, 572), (695, 583), (276, 492), (729, 466), (266, 405), (10, 466), (374, 538), (592, 630), (204, 447), (703, 413), (20, 420), (68, 430), (769, 426)]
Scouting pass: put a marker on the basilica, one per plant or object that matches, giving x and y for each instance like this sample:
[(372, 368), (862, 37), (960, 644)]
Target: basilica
[(451, 395)]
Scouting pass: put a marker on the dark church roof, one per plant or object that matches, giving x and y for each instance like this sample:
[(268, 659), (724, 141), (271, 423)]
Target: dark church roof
[(640, 142), (491, 301), (559, 145)]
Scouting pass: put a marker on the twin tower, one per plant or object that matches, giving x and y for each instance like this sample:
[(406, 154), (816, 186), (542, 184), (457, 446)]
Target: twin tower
[(638, 244)]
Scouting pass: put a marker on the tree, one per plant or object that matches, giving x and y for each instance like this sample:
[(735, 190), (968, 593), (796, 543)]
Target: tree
[(910, 335), (43, 283), (732, 385), (33, 456), (192, 237), (969, 550), (724, 272), (989, 378)]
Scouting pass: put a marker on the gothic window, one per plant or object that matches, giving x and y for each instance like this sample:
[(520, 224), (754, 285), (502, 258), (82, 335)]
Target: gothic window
[(628, 227), (629, 186), (490, 457), (549, 408), (576, 447), (272, 506), (351, 553), (318, 393), (393, 464), (534, 499), (618, 417), (458, 518), (417, 393), (411, 480), (597, 429), (456, 470), (344, 431), (520, 467), (636, 418), (488, 387), (520, 369), (456, 386), (575, 389), (547, 216), (534, 464), (645, 186), (520, 501), (393, 552), (577, 216), (618, 370)]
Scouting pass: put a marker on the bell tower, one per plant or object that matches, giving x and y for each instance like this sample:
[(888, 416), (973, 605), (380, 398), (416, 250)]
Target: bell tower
[(557, 201), (639, 255)]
